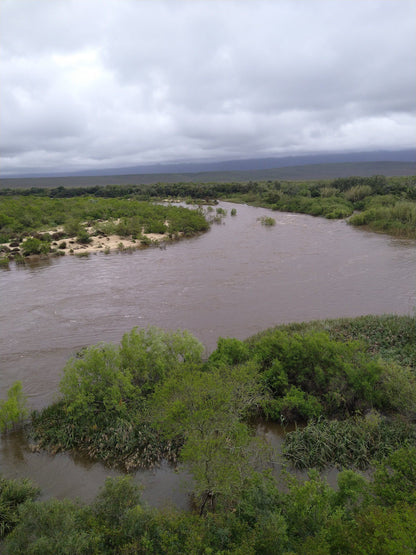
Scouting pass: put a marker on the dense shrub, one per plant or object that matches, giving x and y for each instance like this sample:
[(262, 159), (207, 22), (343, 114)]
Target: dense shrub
[(12, 494), (13, 409), (349, 443), (31, 245)]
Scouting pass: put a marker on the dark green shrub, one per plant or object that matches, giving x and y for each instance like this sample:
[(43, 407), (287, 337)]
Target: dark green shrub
[(31, 245), (294, 406), (84, 237), (230, 351), (12, 494), (13, 409), (395, 478), (51, 527)]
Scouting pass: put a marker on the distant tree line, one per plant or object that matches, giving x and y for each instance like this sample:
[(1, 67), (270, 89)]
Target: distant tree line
[(379, 184)]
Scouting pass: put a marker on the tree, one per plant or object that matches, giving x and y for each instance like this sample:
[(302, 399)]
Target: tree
[(206, 409)]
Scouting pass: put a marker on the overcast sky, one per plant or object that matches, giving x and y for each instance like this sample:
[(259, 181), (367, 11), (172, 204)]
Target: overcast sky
[(90, 84)]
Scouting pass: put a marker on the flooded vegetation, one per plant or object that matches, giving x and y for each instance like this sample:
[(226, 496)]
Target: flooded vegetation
[(151, 399)]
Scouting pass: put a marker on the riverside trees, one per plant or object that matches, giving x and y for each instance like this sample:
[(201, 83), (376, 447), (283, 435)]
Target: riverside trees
[(154, 396)]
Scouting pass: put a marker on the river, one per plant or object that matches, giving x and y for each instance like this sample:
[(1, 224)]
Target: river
[(239, 278)]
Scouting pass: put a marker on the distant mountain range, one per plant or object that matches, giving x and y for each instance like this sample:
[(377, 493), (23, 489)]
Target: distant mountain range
[(309, 167), (244, 164)]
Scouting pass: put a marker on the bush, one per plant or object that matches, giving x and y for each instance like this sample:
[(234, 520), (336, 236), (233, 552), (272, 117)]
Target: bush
[(83, 237), (51, 527), (12, 494), (13, 409), (229, 351), (267, 221), (31, 245), (95, 383), (295, 406), (150, 354)]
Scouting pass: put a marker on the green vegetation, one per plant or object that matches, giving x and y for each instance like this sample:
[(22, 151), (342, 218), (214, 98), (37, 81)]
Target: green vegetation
[(105, 391), (385, 204), (381, 204), (31, 245), (23, 214), (352, 443), (13, 409), (153, 397), (267, 221), (369, 516), (12, 494)]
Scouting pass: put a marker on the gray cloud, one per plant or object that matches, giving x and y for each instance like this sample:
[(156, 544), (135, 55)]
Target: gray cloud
[(101, 83)]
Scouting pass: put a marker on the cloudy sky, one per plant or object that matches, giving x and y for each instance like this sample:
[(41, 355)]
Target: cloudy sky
[(88, 84)]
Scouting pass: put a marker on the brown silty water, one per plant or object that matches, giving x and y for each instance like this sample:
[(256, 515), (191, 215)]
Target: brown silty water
[(236, 280)]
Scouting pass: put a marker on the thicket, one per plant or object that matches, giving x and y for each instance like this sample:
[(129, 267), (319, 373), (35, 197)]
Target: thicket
[(370, 516), (140, 401), (103, 410), (13, 493), (153, 396), (385, 204), (21, 215)]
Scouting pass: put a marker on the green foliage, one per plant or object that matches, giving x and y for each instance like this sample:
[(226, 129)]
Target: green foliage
[(95, 382), (72, 227), (13, 409), (358, 192), (351, 443), (150, 354), (32, 213), (308, 517), (229, 351), (83, 237), (206, 409), (295, 405), (51, 527), (309, 373), (395, 478), (267, 221), (31, 245), (337, 377), (308, 507), (104, 392), (12, 494), (397, 219), (197, 413), (376, 531)]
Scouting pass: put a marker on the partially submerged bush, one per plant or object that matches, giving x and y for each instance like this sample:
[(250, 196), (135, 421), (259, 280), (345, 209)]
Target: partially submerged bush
[(267, 221), (32, 245), (13, 409), (350, 443)]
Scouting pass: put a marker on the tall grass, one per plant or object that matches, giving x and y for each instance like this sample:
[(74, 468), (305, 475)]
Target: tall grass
[(351, 443), (398, 219)]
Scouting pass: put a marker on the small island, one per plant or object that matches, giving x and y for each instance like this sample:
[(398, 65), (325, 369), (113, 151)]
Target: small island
[(34, 226)]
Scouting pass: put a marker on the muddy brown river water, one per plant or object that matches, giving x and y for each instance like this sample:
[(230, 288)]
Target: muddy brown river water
[(236, 280)]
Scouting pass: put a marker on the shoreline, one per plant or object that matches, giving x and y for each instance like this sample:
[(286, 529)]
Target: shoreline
[(62, 246)]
